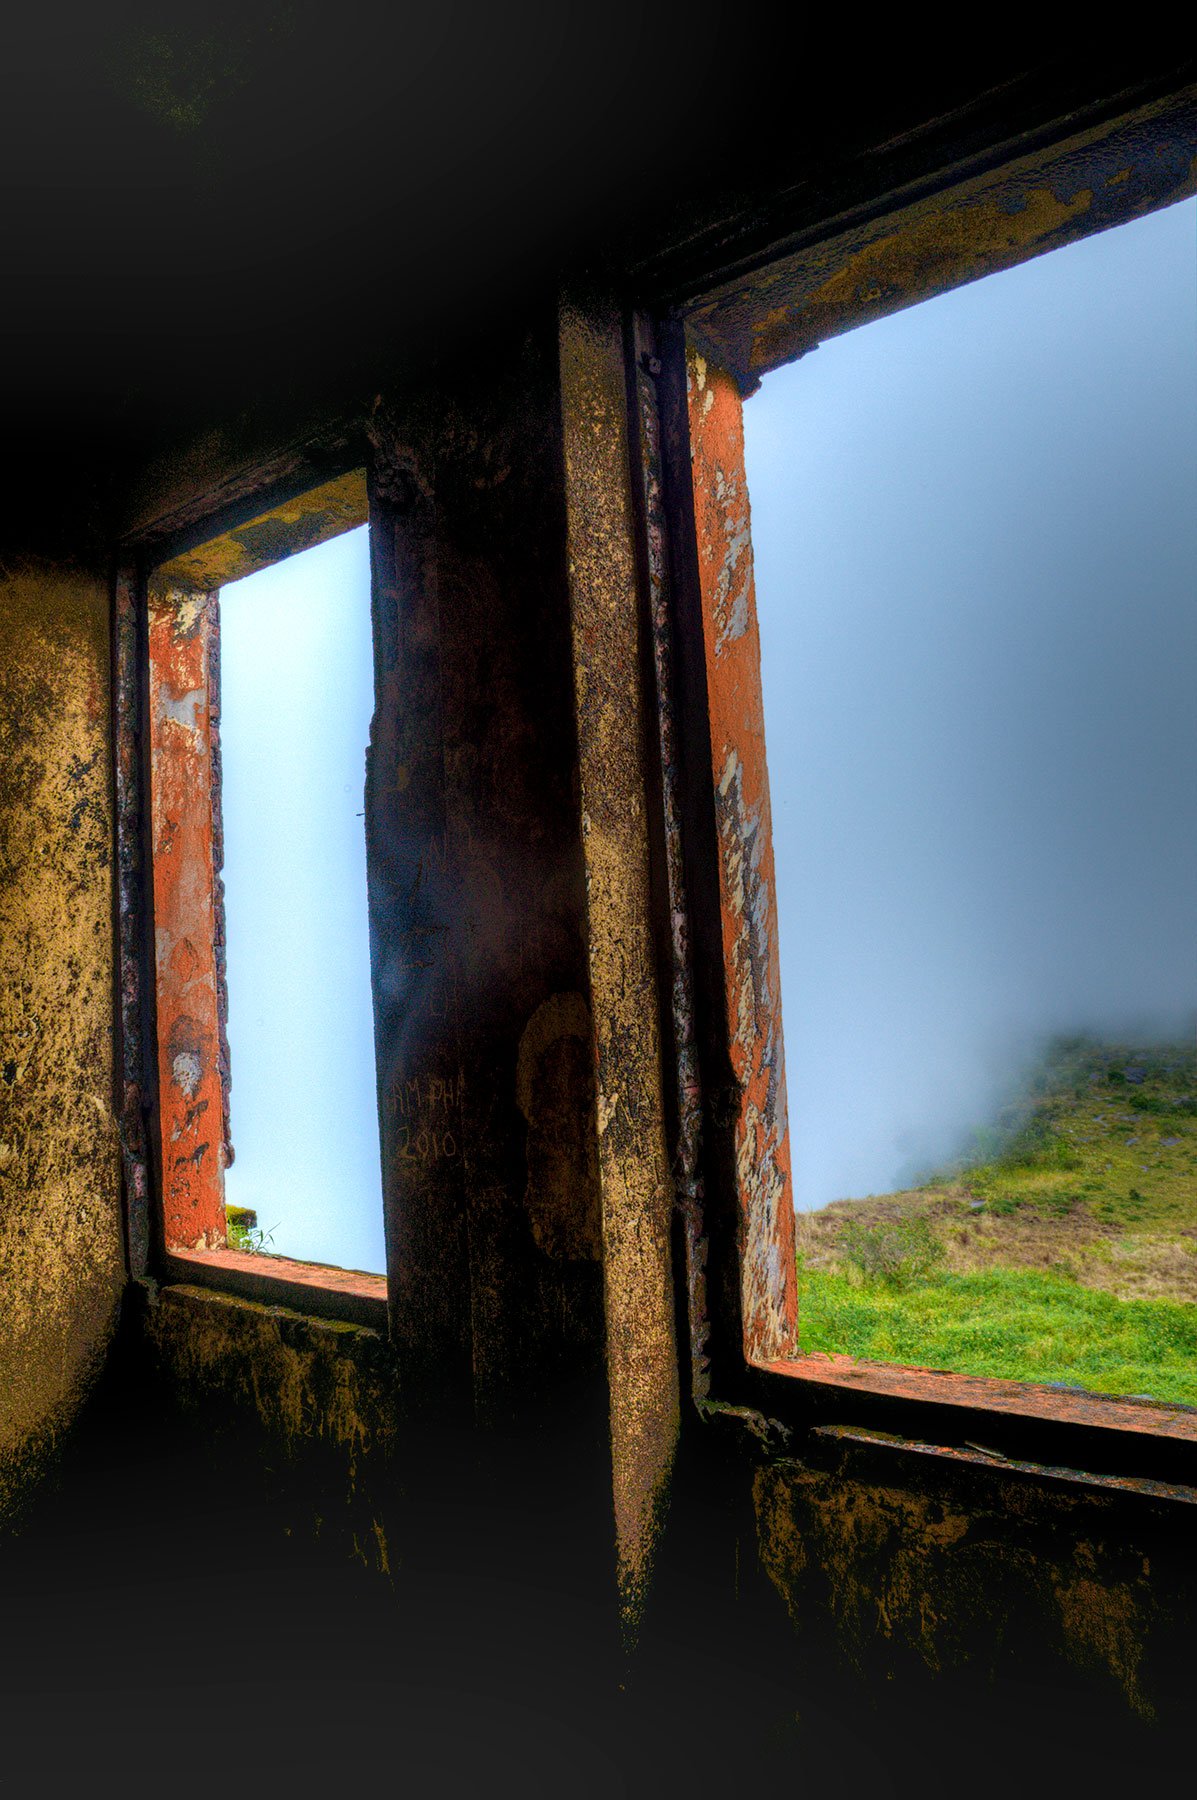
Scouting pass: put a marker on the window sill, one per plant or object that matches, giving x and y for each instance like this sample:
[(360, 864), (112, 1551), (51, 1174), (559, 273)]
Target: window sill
[(1074, 1406), (1007, 1421), (351, 1295)]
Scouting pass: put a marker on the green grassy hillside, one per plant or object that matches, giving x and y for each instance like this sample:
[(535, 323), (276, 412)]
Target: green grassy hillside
[(1063, 1248)]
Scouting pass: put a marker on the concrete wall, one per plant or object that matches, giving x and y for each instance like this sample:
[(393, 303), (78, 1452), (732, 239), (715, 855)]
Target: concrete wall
[(61, 1260)]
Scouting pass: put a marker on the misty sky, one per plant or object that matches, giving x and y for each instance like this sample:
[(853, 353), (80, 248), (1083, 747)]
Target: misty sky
[(975, 532), (297, 695)]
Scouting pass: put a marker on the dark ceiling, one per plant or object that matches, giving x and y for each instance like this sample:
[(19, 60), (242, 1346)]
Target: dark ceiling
[(215, 207)]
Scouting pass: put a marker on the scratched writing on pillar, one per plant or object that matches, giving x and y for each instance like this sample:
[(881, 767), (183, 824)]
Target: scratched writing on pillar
[(424, 1096), (422, 1110)]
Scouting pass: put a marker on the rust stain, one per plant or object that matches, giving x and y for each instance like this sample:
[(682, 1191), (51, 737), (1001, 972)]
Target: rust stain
[(747, 890), (182, 634)]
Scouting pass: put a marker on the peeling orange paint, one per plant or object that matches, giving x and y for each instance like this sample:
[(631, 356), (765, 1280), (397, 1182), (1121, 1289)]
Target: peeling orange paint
[(182, 634), (747, 891)]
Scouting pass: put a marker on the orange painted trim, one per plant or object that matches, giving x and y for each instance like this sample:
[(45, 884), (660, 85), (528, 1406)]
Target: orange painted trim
[(748, 898), (988, 1393), (181, 634)]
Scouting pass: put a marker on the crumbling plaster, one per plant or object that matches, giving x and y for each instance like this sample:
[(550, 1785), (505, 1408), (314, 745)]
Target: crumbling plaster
[(60, 1232)]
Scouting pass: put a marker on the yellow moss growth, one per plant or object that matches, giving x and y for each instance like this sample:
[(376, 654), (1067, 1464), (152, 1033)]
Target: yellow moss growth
[(61, 1259)]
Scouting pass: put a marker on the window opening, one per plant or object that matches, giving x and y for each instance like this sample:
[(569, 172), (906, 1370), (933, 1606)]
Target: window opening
[(261, 696), (976, 559), (296, 678)]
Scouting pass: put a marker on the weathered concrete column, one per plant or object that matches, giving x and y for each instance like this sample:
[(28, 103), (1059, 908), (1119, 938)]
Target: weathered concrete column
[(520, 1081), (477, 897), (607, 621)]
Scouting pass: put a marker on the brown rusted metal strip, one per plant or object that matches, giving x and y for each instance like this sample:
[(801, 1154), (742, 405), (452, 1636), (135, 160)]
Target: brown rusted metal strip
[(134, 1052), (980, 1457), (687, 1157)]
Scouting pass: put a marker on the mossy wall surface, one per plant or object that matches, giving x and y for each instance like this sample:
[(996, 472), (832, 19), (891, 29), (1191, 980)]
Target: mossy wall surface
[(61, 1264), (923, 1574)]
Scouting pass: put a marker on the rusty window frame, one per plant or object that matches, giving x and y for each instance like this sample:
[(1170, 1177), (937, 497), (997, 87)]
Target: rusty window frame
[(305, 498), (694, 355)]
